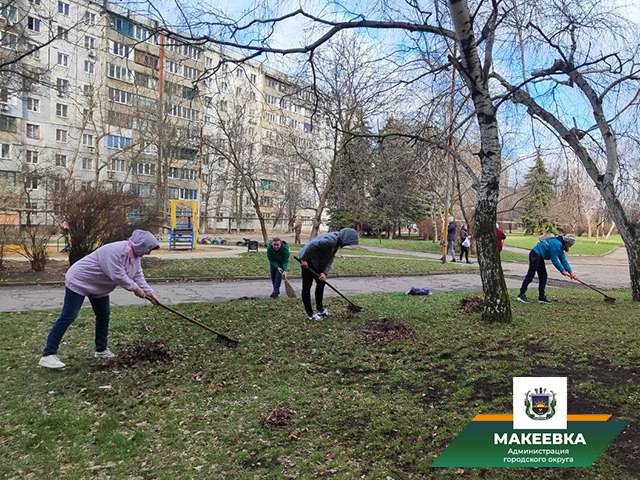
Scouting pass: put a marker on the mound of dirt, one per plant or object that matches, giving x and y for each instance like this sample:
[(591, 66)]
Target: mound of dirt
[(471, 305), (141, 353), (385, 329), (278, 417)]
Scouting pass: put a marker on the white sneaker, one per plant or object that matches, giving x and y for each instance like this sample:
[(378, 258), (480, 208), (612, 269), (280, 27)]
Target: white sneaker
[(51, 361), (106, 354), (316, 317), (323, 313)]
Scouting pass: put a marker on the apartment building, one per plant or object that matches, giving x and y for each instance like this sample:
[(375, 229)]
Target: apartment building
[(99, 97)]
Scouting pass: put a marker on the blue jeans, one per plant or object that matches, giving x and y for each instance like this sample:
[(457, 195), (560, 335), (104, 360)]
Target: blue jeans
[(536, 265), (70, 309), (276, 280)]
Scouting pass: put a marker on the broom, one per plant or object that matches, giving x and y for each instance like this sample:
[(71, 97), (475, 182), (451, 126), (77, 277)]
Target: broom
[(291, 293)]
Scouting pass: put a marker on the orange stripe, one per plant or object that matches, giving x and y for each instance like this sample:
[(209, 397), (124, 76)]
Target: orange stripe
[(490, 417), (505, 417), (595, 417)]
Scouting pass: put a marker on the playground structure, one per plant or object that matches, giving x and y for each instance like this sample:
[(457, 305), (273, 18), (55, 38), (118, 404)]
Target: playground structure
[(184, 225)]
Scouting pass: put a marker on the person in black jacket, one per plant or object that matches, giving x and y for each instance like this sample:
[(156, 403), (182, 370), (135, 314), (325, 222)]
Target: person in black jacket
[(464, 243), (318, 256), (451, 238)]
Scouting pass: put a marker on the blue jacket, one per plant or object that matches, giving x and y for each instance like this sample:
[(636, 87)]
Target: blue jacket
[(553, 250), (320, 251)]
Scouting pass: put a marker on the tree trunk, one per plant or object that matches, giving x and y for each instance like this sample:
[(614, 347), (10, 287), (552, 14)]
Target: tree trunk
[(497, 307), (317, 218)]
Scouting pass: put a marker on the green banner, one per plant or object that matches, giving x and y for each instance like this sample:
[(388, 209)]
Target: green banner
[(497, 444)]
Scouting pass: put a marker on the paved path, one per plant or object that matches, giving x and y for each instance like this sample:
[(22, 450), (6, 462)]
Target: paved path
[(609, 271)]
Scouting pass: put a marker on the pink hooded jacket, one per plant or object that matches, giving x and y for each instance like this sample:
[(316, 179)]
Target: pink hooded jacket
[(114, 264)]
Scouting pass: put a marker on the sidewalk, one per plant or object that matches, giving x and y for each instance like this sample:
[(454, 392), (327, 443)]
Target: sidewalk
[(50, 297)]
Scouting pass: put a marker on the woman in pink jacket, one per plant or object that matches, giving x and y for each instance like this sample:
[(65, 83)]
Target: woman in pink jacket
[(96, 276)]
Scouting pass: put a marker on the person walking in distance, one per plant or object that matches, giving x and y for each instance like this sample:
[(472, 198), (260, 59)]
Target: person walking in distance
[(318, 255), (501, 237), (96, 276), (297, 228), (278, 255), (465, 243), (548, 248), (451, 238)]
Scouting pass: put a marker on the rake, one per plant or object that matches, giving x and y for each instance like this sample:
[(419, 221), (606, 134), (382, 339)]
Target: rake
[(353, 308)]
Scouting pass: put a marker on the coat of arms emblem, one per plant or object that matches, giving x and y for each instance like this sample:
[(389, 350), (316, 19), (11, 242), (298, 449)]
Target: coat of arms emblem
[(539, 404)]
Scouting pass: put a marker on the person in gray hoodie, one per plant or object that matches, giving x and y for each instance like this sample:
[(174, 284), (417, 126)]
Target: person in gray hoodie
[(96, 276), (318, 255)]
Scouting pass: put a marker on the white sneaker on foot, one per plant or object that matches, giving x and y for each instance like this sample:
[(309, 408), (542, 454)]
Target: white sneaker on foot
[(51, 361), (105, 354), (323, 313), (316, 317)]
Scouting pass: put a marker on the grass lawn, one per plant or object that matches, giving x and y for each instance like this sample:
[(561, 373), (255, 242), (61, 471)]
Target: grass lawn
[(583, 245), (256, 264), (362, 410), (403, 244)]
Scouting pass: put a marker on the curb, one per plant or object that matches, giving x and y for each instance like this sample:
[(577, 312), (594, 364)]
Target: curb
[(227, 279)]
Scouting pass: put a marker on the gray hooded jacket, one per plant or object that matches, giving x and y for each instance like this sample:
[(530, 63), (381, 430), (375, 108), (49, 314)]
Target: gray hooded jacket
[(321, 251)]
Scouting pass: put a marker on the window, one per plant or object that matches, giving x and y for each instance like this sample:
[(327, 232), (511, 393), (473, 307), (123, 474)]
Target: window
[(61, 135), (33, 104), (5, 150), (35, 50), (87, 140), (63, 8), (253, 78), (87, 164), (118, 142), (89, 42), (33, 24), (8, 124), (31, 205), (174, 172), (63, 59), (34, 2), (266, 184), (87, 90), (8, 177), (89, 18), (32, 156), (10, 12), (122, 25), (223, 86), (86, 185), (118, 165), (62, 110), (119, 49), (33, 131), (61, 160), (89, 67), (192, 73), (308, 128), (63, 33), (145, 168), (62, 85), (120, 73), (120, 96), (146, 59), (9, 40), (174, 67)]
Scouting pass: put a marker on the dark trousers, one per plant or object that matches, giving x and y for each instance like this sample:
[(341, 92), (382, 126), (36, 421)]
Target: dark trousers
[(464, 250), (536, 265), (276, 280), (307, 281), (70, 309)]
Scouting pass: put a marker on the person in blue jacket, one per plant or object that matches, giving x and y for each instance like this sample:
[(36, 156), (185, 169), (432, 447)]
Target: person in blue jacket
[(318, 256), (552, 249)]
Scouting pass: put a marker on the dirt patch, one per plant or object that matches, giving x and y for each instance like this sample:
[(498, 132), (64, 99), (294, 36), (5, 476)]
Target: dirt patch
[(488, 389), (278, 417), (18, 271), (142, 353), (471, 305), (385, 329), (626, 449), (260, 462)]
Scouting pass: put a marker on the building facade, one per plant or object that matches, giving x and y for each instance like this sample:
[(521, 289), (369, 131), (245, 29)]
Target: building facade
[(94, 96)]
